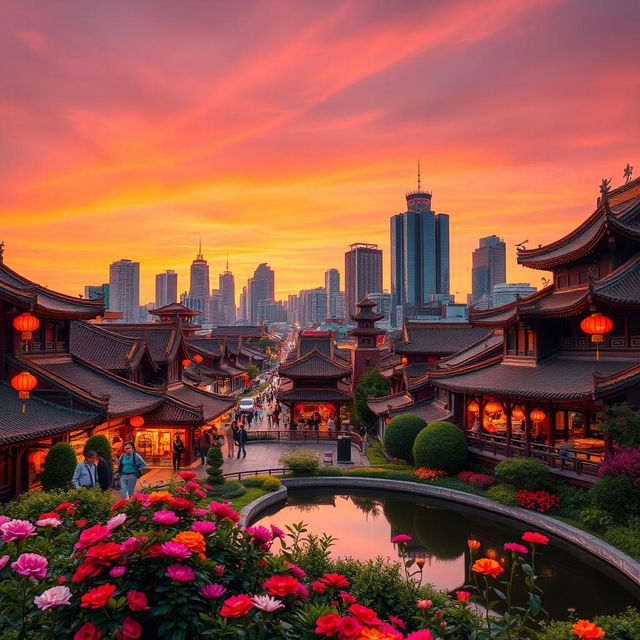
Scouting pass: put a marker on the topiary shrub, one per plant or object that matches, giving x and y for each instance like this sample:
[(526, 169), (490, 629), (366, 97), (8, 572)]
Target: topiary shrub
[(59, 466), (100, 444), (214, 468), (301, 460), (230, 489), (441, 445), (524, 473), (400, 434), (504, 494), (616, 495)]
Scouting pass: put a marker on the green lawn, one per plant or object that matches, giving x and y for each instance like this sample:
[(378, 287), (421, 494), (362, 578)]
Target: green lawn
[(252, 494)]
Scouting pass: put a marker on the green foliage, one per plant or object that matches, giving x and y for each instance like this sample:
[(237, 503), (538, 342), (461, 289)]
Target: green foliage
[(230, 489), (622, 421), (621, 626), (504, 494), (271, 484), (256, 481), (616, 495), (441, 445), (572, 499), (253, 371), (371, 384), (301, 460), (100, 444), (214, 468), (400, 435), (59, 466), (94, 505), (524, 473), (595, 518), (265, 343), (375, 454)]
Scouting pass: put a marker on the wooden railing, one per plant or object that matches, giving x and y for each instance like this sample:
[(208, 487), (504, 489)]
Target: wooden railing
[(311, 435), (257, 472), (578, 461)]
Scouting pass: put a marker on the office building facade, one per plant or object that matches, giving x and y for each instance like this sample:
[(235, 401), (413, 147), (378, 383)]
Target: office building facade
[(124, 289), (362, 273), (489, 267), (332, 286), (166, 288)]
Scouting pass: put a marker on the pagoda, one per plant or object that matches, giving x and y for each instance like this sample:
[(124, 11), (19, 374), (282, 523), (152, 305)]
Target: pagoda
[(366, 353)]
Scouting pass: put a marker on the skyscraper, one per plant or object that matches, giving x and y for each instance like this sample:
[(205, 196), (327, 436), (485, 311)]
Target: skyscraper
[(199, 282), (489, 268), (362, 273), (260, 287), (228, 289), (419, 253), (124, 289), (166, 288), (96, 292), (332, 285), (313, 306)]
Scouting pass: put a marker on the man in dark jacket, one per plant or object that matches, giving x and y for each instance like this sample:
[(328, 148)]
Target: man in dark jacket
[(242, 439), (105, 473)]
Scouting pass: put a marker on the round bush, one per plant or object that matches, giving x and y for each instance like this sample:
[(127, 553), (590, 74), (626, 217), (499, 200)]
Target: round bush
[(400, 434), (59, 466), (100, 444), (616, 495), (441, 445), (255, 481), (271, 484), (230, 489), (504, 494), (524, 473), (301, 460), (214, 470)]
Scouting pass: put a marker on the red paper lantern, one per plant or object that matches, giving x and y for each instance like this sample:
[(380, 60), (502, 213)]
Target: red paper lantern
[(517, 413), (596, 325), (26, 323), (186, 363), (404, 360), (493, 407), (473, 406), (23, 383), (537, 415), (136, 421), (197, 358)]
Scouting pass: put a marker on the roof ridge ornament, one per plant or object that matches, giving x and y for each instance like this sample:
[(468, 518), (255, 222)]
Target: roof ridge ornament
[(1, 252), (628, 172)]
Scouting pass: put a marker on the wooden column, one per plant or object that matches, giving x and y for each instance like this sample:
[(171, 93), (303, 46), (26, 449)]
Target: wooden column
[(527, 429), (551, 434), (566, 424), (508, 407)]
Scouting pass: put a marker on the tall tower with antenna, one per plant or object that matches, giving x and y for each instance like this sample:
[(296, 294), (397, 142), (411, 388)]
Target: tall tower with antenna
[(228, 291)]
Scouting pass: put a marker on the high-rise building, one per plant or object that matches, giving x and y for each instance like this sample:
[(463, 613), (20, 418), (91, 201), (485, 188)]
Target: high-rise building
[(292, 309), (228, 290), (260, 287), (166, 288), (419, 253), (383, 306), (488, 269), (98, 292), (508, 291), (362, 273), (313, 306), (332, 285), (199, 282), (271, 311), (340, 305), (195, 304), (124, 289), (244, 315), (214, 312)]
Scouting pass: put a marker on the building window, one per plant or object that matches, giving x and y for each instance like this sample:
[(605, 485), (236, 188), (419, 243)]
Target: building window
[(367, 363)]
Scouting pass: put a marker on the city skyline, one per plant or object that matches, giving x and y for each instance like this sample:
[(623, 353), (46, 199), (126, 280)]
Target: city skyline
[(512, 118)]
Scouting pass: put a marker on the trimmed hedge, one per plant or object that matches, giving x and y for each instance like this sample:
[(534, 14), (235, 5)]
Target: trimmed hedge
[(230, 489), (441, 445), (59, 466), (263, 481), (524, 473), (400, 435), (616, 495), (301, 460), (504, 494)]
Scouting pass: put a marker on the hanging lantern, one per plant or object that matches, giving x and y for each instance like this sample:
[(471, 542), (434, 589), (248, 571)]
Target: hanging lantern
[(473, 406), (26, 323), (268, 351), (404, 360), (197, 358), (186, 363), (517, 413), (597, 325), (23, 383), (493, 407), (136, 421), (537, 415)]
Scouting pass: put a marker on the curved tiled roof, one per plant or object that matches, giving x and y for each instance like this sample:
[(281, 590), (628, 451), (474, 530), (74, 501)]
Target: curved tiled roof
[(314, 395), (163, 340), (314, 365), (440, 339), (622, 285), (211, 404)]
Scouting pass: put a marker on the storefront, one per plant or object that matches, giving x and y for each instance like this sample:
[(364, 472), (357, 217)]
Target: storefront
[(306, 411)]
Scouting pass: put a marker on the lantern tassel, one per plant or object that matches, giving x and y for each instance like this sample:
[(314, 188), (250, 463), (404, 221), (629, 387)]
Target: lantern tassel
[(24, 407), (597, 351)]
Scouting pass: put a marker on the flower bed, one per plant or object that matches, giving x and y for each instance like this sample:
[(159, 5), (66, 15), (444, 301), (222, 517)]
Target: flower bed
[(424, 473), (540, 501), (480, 480)]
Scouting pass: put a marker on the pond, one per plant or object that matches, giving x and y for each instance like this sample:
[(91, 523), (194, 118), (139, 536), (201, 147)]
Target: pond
[(364, 524)]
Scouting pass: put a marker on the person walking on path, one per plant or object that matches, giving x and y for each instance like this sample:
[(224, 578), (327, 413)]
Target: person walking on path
[(242, 440), (269, 417), (105, 473), (331, 425), (231, 436), (178, 448), (249, 419), (204, 442), (130, 468), (86, 473), (364, 438)]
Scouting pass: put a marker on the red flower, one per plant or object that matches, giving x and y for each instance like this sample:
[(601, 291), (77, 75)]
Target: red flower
[(328, 625), (281, 585), (335, 580), (118, 505), (318, 587), (181, 504), (98, 597), (155, 550), (535, 538), (367, 616), (103, 553), (540, 501), (131, 629), (236, 606), (397, 621), (81, 523), (92, 535), (348, 628), (187, 475), (401, 538), (87, 569), (64, 506), (137, 601), (347, 598), (88, 631), (50, 514), (463, 596), (223, 511)]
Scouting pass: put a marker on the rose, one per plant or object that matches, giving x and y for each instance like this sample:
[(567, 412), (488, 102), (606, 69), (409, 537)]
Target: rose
[(281, 585), (318, 587), (98, 597), (587, 630), (205, 527), (401, 538), (175, 550), (165, 516), (180, 572), (267, 603), (137, 601), (328, 625), (31, 565), (118, 505), (463, 596), (87, 569), (487, 567), (534, 538), (193, 540), (3, 561), (181, 504), (349, 628), (93, 535), (131, 629), (49, 522), (54, 597), (514, 546), (103, 553), (130, 545), (212, 591), (116, 521), (81, 523), (14, 530), (424, 604), (187, 475), (88, 631), (223, 512), (334, 580), (347, 598), (47, 515), (236, 606), (365, 615), (117, 572)]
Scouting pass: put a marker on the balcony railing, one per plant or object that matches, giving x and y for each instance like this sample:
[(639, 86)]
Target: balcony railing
[(311, 435)]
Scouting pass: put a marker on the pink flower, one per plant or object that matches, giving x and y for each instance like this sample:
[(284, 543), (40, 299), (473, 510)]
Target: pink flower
[(424, 604), (4, 519), (130, 545), (401, 538), (277, 532), (219, 569), (54, 597), (397, 621), (303, 592), (49, 522), (211, 591), (165, 516), (92, 535), (296, 571), (31, 565), (267, 603), (425, 634), (175, 550), (223, 511), (117, 572), (116, 521), (204, 527), (318, 587), (3, 561), (463, 596), (390, 630), (347, 598), (514, 546), (199, 512), (14, 530), (180, 572), (260, 536)]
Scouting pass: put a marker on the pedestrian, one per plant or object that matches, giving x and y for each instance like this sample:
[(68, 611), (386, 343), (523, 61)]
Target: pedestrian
[(231, 435), (86, 473), (204, 442), (363, 439), (242, 440), (276, 419), (301, 423), (249, 419), (269, 417), (130, 468), (105, 473), (331, 425), (178, 448)]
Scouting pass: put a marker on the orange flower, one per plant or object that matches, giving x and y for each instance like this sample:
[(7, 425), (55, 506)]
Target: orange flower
[(193, 540), (487, 567), (420, 562), (373, 634), (587, 630), (159, 496), (473, 544)]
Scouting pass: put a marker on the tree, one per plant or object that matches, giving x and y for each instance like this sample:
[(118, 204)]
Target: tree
[(372, 384), (59, 466), (253, 371), (622, 421), (100, 444), (265, 343)]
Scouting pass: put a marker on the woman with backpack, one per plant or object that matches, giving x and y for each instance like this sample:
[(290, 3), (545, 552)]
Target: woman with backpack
[(130, 468)]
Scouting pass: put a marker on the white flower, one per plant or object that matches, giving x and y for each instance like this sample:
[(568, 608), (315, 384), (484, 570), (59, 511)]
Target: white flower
[(49, 522), (116, 521), (267, 603), (54, 597)]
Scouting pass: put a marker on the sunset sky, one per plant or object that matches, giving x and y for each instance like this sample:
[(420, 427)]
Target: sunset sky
[(281, 132)]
